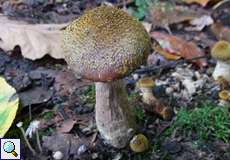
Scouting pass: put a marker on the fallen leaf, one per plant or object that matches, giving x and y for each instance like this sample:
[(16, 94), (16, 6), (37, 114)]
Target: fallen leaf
[(66, 126), (201, 2), (35, 95), (34, 40), (165, 53), (179, 47), (220, 31), (162, 14), (8, 106), (200, 23)]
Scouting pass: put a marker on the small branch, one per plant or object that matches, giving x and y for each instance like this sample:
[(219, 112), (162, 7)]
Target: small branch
[(170, 64), (38, 141)]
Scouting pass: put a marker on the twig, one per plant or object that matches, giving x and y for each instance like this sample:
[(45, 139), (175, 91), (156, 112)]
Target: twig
[(219, 4), (30, 113), (170, 64), (38, 141)]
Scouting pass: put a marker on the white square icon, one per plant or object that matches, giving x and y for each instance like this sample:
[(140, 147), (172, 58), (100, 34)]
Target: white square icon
[(10, 149)]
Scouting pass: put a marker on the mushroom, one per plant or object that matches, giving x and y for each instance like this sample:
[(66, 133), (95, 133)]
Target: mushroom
[(104, 45), (146, 85), (139, 143), (224, 95), (221, 52)]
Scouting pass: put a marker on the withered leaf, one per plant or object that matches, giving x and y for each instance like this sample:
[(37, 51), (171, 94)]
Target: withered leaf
[(34, 40), (179, 47)]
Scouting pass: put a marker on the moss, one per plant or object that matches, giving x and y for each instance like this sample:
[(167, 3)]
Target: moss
[(207, 122), (105, 44)]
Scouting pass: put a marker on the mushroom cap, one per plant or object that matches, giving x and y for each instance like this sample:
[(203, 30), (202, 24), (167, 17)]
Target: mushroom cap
[(105, 44), (221, 51), (224, 95), (146, 82)]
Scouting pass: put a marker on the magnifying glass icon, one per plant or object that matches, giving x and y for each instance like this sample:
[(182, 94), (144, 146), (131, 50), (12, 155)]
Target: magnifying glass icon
[(9, 147)]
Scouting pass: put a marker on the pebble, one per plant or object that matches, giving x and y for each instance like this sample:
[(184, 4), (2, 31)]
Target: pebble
[(58, 155), (94, 155), (82, 149), (190, 86), (136, 76), (169, 90)]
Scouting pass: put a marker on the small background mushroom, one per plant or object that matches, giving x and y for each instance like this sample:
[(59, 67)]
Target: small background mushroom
[(221, 52)]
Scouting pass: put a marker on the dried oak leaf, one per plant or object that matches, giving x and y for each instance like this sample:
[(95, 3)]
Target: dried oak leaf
[(34, 40), (179, 47), (66, 126)]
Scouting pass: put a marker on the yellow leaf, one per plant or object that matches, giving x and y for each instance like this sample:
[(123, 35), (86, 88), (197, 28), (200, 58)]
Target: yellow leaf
[(166, 54), (201, 2), (8, 106)]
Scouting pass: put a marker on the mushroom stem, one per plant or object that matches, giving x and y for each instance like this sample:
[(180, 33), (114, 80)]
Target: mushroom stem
[(222, 69), (114, 118)]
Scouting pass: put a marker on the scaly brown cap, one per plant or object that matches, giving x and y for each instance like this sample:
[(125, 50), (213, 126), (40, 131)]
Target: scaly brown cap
[(105, 44), (221, 51)]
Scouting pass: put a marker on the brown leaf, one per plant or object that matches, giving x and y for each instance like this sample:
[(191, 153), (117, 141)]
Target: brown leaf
[(35, 40), (179, 47), (66, 126), (35, 95), (163, 14), (220, 31), (165, 53), (202, 2)]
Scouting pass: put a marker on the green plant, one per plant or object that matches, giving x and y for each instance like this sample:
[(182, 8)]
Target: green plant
[(139, 113), (48, 115), (207, 121), (89, 94), (140, 9)]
